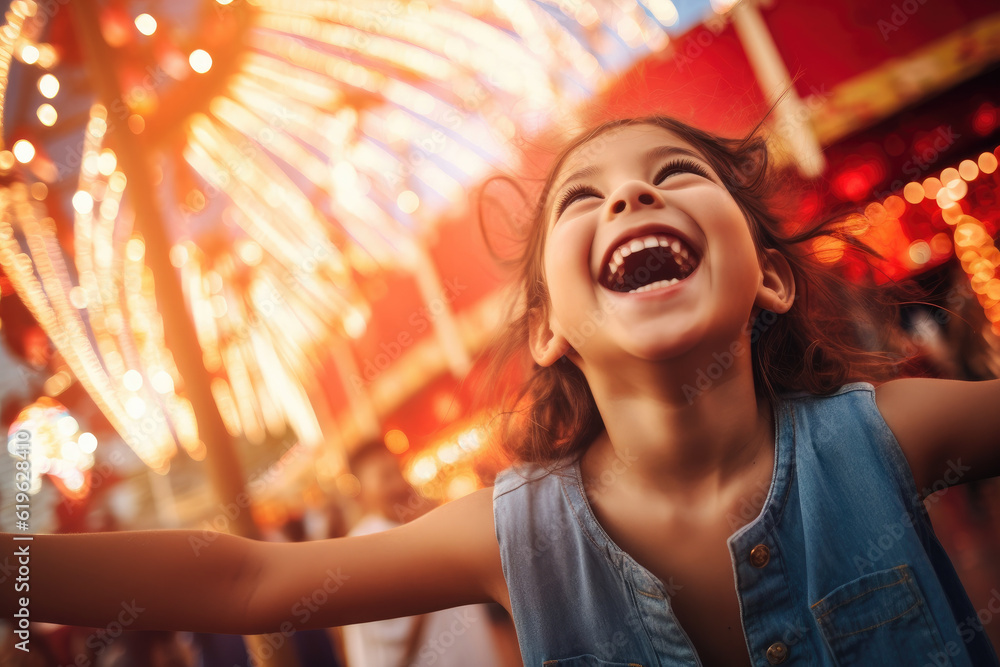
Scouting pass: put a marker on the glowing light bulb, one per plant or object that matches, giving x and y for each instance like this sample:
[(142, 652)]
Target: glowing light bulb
[(408, 201), (145, 23), (920, 252), (29, 54), (948, 175), (178, 256), (200, 61), (67, 425), (23, 150), (354, 324), (135, 249), (48, 86), (107, 162), (931, 187), (664, 11), (913, 192), (396, 441), (83, 202), (968, 170), (162, 382), (132, 380), (47, 115), (87, 442), (987, 163)]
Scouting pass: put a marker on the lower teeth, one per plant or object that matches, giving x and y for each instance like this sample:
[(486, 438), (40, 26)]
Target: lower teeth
[(657, 284)]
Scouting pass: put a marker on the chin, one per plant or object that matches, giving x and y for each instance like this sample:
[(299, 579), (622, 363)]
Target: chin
[(660, 348)]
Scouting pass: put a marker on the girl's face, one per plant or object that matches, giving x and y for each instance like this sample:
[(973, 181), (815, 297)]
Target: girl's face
[(647, 254)]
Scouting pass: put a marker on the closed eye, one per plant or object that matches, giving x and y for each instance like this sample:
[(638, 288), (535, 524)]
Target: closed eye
[(574, 193), (678, 167), (581, 191)]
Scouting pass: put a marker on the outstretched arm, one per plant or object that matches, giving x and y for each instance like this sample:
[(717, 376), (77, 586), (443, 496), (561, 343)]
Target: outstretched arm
[(160, 579), (214, 582), (447, 558), (948, 430)]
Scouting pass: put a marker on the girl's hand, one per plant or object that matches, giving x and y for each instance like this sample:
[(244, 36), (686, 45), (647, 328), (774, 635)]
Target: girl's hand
[(948, 430)]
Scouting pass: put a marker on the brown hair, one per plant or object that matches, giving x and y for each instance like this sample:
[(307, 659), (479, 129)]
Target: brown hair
[(835, 332)]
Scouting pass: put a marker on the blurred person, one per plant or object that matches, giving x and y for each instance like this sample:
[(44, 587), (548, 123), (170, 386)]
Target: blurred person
[(215, 650), (461, 636), (146, 648)]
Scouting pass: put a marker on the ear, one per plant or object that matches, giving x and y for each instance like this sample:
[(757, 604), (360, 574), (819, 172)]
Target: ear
[(777, 289), (547, 345)]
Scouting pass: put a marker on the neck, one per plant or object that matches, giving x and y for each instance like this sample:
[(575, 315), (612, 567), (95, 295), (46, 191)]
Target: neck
[(687, 429)]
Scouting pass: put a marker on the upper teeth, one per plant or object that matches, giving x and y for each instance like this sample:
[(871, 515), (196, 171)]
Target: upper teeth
[(680, 250)]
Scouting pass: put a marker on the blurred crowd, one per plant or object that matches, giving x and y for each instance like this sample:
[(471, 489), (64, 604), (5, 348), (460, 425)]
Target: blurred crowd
[(481, 635)]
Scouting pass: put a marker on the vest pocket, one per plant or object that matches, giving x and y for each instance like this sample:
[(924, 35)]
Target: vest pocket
[(879, 618), (587, 660)]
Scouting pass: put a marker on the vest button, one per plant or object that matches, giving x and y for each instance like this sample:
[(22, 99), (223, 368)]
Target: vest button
[(777, 653), (760, 555)]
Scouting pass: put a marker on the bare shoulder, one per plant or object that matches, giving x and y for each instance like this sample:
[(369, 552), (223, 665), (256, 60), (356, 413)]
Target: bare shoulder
[(466, 526), (946, 429), (446, 558)]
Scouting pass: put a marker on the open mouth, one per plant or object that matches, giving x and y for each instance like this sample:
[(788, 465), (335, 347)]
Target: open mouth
[(649, 262)]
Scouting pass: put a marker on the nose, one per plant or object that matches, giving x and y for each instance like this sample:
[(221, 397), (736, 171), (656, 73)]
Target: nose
[(633, 196)]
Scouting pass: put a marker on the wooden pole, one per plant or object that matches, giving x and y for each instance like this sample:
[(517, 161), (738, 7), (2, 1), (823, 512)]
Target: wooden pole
[(223, 462), (794, 118)]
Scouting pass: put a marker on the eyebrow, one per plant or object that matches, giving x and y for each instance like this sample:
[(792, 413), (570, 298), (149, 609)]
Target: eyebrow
[(654, 154)]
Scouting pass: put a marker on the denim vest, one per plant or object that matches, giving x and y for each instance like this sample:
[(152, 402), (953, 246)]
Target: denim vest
[(841, 566)]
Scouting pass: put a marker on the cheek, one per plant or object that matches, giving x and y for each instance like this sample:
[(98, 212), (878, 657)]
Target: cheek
[(567, 250), (734, 250)]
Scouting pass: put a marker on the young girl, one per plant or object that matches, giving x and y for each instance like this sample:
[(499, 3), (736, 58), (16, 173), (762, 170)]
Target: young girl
[(723, 495)]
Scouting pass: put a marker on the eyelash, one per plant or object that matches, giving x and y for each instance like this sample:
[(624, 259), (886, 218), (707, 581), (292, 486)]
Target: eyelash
[(666, 170)]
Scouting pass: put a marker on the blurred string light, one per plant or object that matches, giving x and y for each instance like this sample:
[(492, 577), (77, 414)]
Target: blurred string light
[(58, 448), (106, 325), (969, 238), (201, 61), (343, 129), (973, 243), (444, 470), (145, 24)]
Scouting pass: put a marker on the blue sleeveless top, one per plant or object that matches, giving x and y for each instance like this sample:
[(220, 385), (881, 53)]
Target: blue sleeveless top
[(841, 566)]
